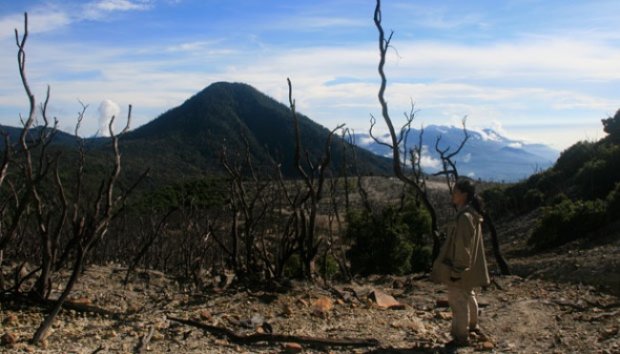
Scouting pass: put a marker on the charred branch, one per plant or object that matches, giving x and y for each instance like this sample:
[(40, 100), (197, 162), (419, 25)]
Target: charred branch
[(277, 338)]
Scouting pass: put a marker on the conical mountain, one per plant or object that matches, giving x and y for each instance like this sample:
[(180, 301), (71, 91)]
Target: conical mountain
[(187, 141)]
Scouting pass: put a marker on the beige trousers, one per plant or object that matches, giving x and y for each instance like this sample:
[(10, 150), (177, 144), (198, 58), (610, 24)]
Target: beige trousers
[(464, 312)]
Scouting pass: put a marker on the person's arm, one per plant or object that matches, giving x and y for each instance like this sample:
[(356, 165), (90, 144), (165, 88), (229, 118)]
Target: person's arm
[(464, 235)]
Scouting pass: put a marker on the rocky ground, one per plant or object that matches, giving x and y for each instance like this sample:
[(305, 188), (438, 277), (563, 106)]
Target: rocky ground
[(546, 308)]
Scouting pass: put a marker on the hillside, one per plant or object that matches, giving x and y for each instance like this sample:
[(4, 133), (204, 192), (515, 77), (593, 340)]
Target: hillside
[(187, 140), (60, 138), (487, 154), (576, 197)]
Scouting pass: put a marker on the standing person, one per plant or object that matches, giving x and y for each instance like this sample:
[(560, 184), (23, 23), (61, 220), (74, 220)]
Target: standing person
[(461, 264)]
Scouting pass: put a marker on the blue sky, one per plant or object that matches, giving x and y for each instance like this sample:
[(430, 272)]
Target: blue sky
[(545, 71)]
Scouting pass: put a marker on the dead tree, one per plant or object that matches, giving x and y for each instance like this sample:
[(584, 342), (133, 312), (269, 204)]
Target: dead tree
[(90, 221), (447, 156), (23, 196), (155, 232), (34, 164), (449, 170), (396, 140), (287, 244), (334, 244), (3, 172), (306, 207), (248, 201)]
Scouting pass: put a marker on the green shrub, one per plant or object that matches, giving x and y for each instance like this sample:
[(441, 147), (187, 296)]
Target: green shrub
[(558, 199), (590, 178), (390, 241), (611, 126), (293, 267), (533, 199), (599, 175), (421, 258), (328, 266), (574, 157), (380, 244), (613, 203), (496, 201), (567, 221), (550, 181), (202, 193)]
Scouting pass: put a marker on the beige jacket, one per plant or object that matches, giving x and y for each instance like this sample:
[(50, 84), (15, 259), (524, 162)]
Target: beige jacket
[(461, 261)]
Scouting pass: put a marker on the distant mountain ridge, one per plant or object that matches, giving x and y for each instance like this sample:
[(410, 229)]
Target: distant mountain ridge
[(186, 141), (487, 154)]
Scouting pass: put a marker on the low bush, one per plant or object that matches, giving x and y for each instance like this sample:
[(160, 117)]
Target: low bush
[(574, 157), (328, 266), (389, 241), (567, 221), (613, 203), (534, 198)]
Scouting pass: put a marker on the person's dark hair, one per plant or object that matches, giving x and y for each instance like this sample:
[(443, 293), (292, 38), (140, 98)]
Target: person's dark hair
[(467, 186)]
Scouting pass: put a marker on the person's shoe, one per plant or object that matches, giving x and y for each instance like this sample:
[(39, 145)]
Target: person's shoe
[(457, 343), (477, 334)]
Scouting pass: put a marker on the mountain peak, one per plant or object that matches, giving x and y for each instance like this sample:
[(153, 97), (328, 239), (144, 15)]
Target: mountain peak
[(229, 115)]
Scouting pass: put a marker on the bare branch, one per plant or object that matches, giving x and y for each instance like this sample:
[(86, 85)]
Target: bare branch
[(373, 122), (396, 160), (5, 158)]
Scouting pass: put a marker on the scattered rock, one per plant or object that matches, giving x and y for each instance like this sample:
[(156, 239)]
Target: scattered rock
[(257, 320), (222, 342), (82, 301), (415, 325), (205, 315), (487, 346), (292, 348), (444, 315), (442, 303), (8, 339), (157, 336), (10, 320), (607, 333), (322, 306), (398, 284), (384, 300), (287, 310)]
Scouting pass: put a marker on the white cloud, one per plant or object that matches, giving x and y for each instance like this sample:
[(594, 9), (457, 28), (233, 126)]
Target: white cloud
[(97, 10), (539, 57), (319, 22), (107, 110), (467, 158), (427, 162), (438, 18), (52, 16), (498, 127), (516, 145), (40, 20)]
